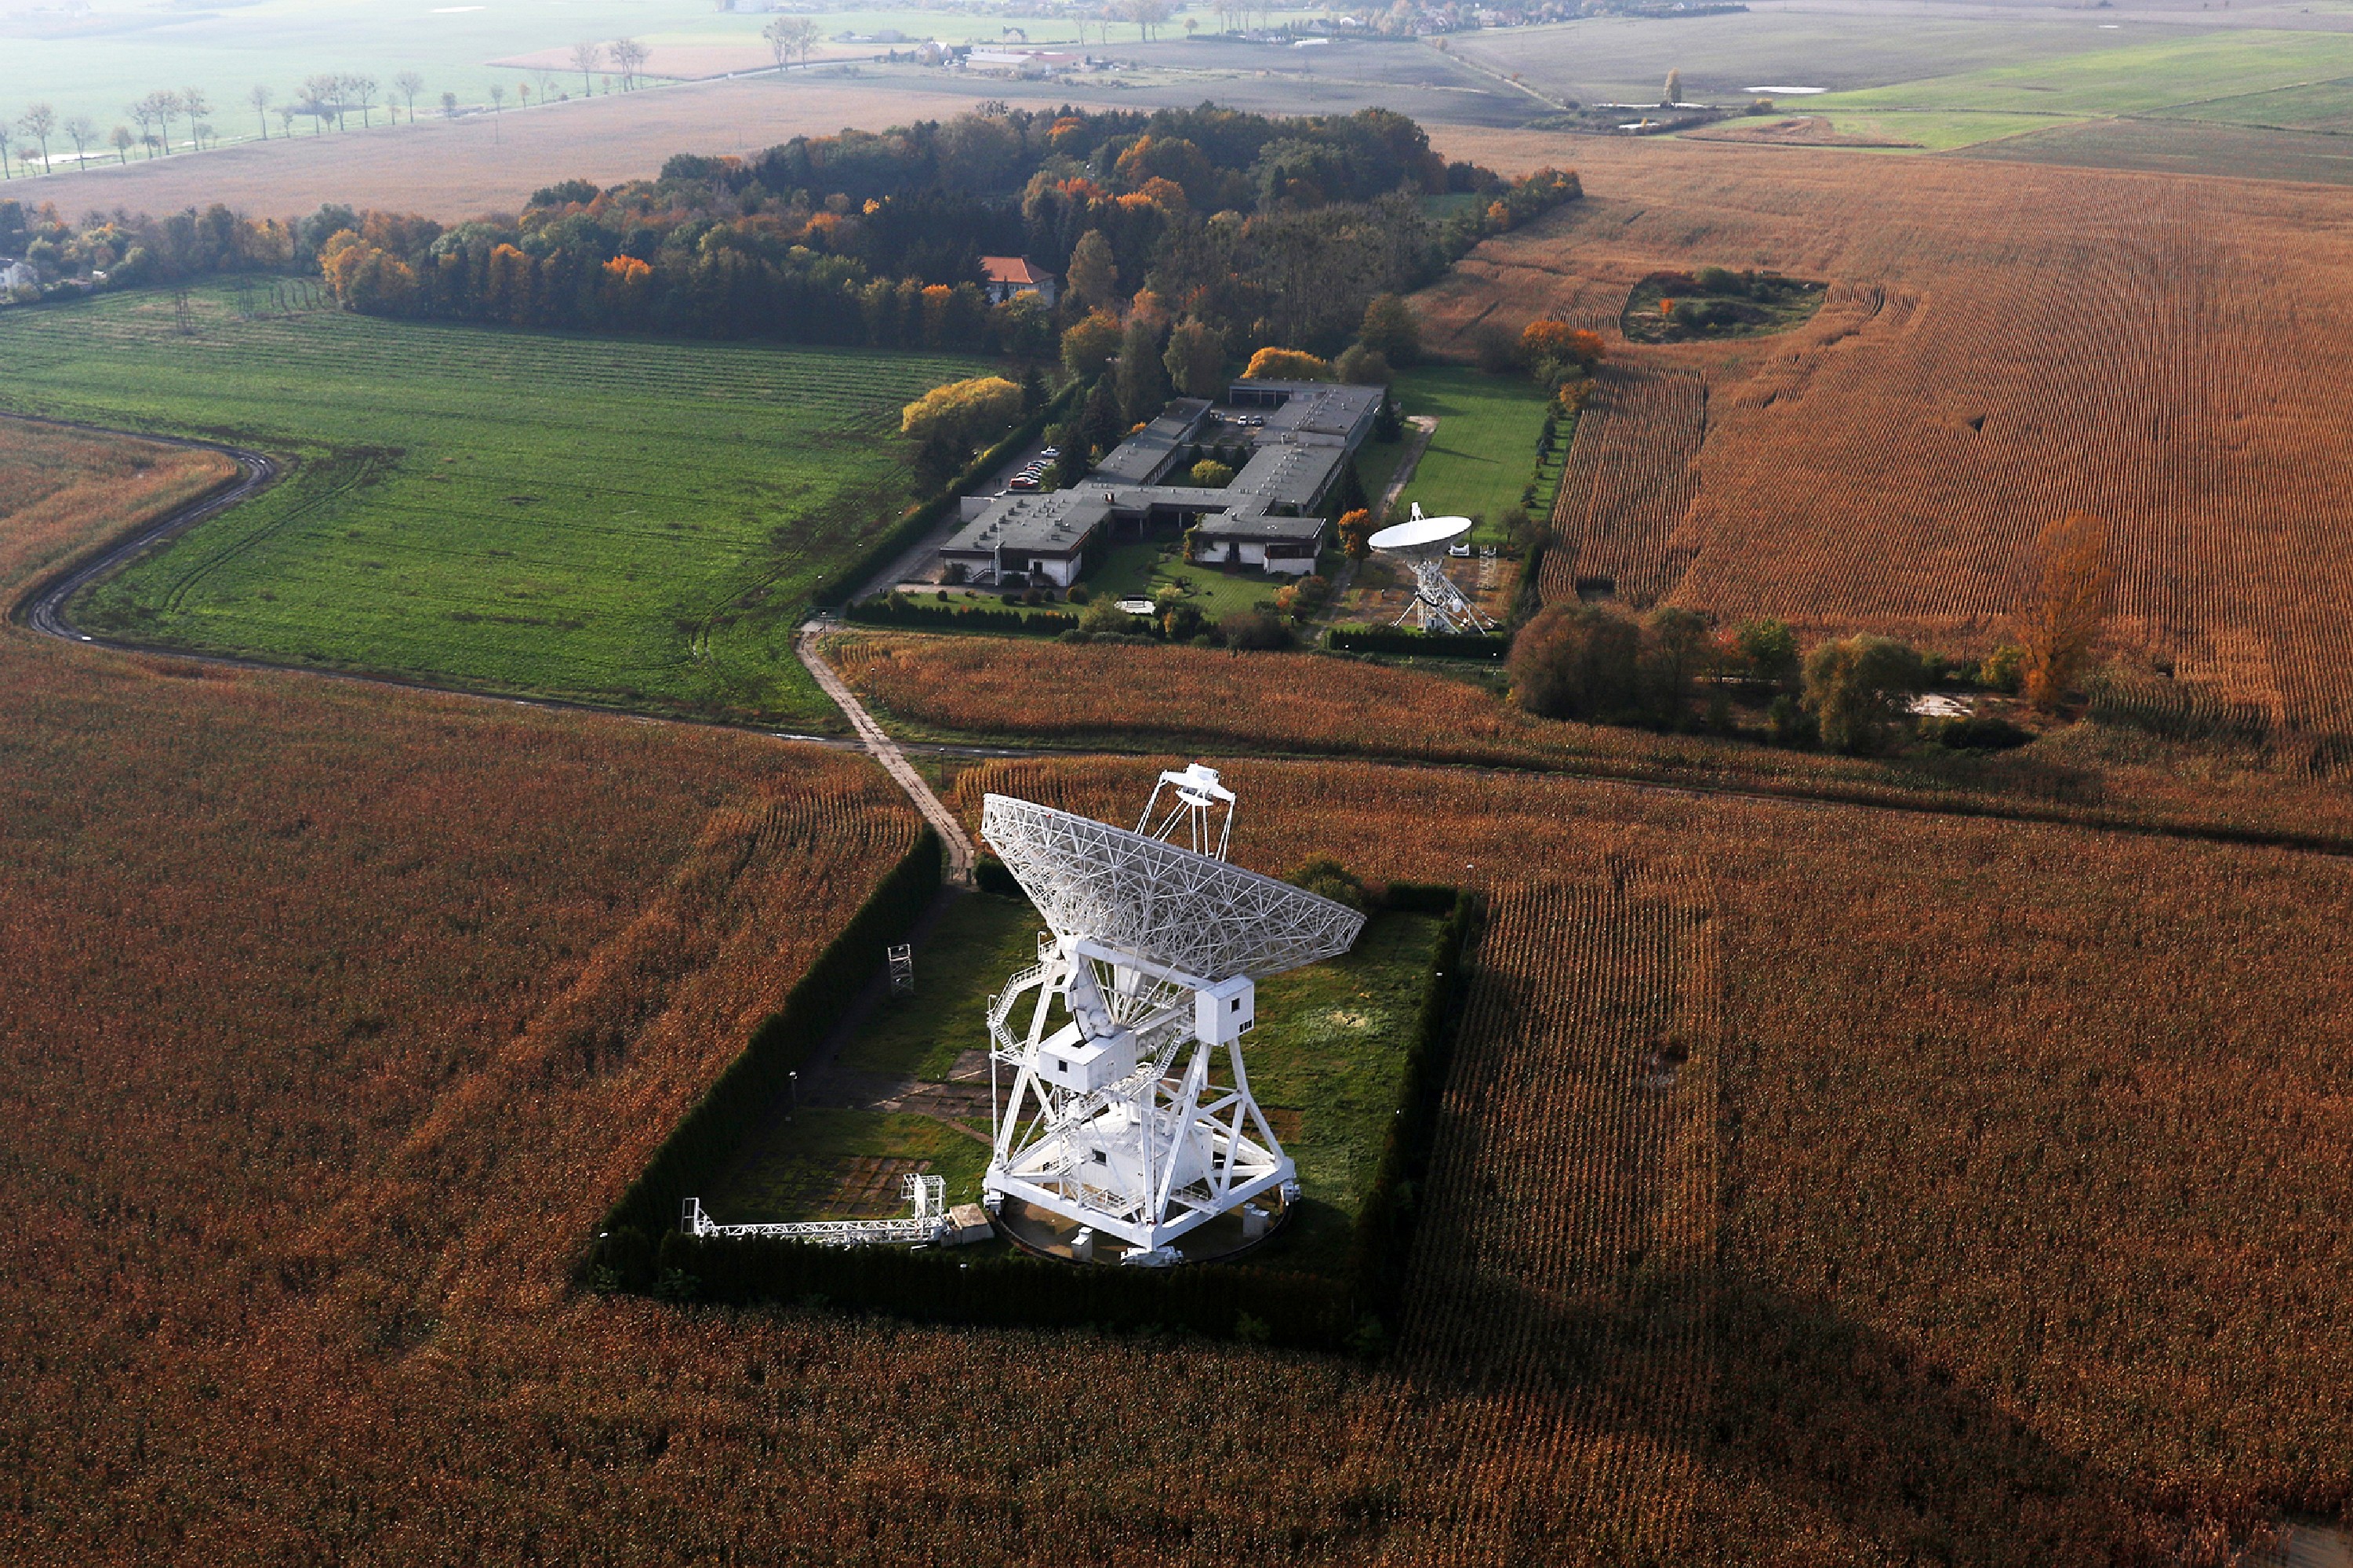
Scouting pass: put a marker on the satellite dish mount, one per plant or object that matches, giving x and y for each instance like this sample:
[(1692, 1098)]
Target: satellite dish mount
[(1131, 1113), (1437, 604)]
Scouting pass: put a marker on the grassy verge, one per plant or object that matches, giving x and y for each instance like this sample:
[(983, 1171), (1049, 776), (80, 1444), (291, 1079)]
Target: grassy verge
[(614, 521)]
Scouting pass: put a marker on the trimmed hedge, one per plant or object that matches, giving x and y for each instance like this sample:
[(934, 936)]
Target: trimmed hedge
[(1392, 1212), (959, 617), (1357, 1312), (1433, 644), (1296, 1310), (834, 590), (692, 1157)]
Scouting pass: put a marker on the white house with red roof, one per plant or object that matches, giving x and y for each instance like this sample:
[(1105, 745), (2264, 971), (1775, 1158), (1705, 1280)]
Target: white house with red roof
[(1011, 275)]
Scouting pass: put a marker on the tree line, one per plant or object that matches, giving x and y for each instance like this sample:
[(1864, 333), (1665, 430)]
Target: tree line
[(326, 99)]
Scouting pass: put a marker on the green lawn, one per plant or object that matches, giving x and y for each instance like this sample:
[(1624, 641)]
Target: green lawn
[(609, 520), (2192, 74), (1326, 1060), (1142, 568), (1484, 450), (797, 1167), (977, 943), (1936, 131)]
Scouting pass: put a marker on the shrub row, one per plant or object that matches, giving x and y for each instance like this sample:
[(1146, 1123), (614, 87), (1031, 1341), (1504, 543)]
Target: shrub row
[(1434, 644), (835, 590), (959, 617), (690, 1161), (1383, 1244), (1224, 1300)]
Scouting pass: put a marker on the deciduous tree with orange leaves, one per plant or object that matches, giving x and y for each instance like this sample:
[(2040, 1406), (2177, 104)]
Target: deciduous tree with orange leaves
[(2073, 591)]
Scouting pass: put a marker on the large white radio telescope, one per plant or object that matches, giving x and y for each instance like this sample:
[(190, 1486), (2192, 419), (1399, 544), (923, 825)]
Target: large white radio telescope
[(1131, 1114), (1437, 604)]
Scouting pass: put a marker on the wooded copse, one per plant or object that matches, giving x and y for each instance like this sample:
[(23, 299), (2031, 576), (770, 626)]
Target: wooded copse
[(1265, 230)]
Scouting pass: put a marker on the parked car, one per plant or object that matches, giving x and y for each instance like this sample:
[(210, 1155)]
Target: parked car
[(1022, 481), (1050, 453)]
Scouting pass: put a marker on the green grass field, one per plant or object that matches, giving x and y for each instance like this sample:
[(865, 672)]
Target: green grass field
[(625, 522), (1326, 1060), (1484, 450), (2241, 77)]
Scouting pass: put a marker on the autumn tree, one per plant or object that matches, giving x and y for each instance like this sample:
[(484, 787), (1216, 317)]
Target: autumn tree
[(1195, 358), (628, 57), (1093, 275), (948, 422), (259, 98), (1859, 690), (83, 130), (124, 141), (1391, 329), (1579, 660), (2074, 592), (195, 106), (586, 57), (1286, 365), (1675, 90), (789, 37), (1143, 381), (1356, 533), (408, 84), (1089, 343), (36, 123)]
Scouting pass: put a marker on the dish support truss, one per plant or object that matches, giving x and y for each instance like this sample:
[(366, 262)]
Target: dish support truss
[(1130, 1110), (1437, 605), (929, 1222)]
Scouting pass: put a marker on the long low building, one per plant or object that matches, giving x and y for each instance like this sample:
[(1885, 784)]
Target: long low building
[(1296, 437)]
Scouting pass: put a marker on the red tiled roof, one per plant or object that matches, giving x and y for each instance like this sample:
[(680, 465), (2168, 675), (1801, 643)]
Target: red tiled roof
[(1011, 269)]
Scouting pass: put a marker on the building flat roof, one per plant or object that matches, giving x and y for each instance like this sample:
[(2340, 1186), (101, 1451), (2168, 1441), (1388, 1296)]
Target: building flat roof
[(1300, 433)]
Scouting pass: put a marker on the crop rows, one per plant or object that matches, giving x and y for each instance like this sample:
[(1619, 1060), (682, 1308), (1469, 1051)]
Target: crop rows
[(1124, 698), (1999, 350), (1631, 478)]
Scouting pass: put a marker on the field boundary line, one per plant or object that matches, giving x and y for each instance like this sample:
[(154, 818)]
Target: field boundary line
[(42, 608), (884, 750)]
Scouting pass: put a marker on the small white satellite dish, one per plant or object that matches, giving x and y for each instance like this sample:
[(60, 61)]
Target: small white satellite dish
[(1437, 603), (1420, 532)]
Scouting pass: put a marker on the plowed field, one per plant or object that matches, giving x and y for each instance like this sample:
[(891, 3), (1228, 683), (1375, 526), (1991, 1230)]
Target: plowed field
[(2000, 345)]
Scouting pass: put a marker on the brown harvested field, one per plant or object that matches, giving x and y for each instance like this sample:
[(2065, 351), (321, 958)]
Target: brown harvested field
[(2000, 344), (1818, 1186), (60, 489), (1800, 131), (1121, 698)]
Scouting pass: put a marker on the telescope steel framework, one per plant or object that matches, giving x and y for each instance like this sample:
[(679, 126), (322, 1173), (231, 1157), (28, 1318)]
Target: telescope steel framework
[(1437, 604), (1130, 1110)]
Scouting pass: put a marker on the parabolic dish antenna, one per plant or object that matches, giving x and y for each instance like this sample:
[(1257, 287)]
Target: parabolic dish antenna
[(1171, 907), (1121, 1118), (1420, 532), (1437, 604)]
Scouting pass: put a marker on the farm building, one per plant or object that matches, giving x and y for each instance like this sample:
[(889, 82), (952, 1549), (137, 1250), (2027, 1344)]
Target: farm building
[(1294, 441), (1011, 275)]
